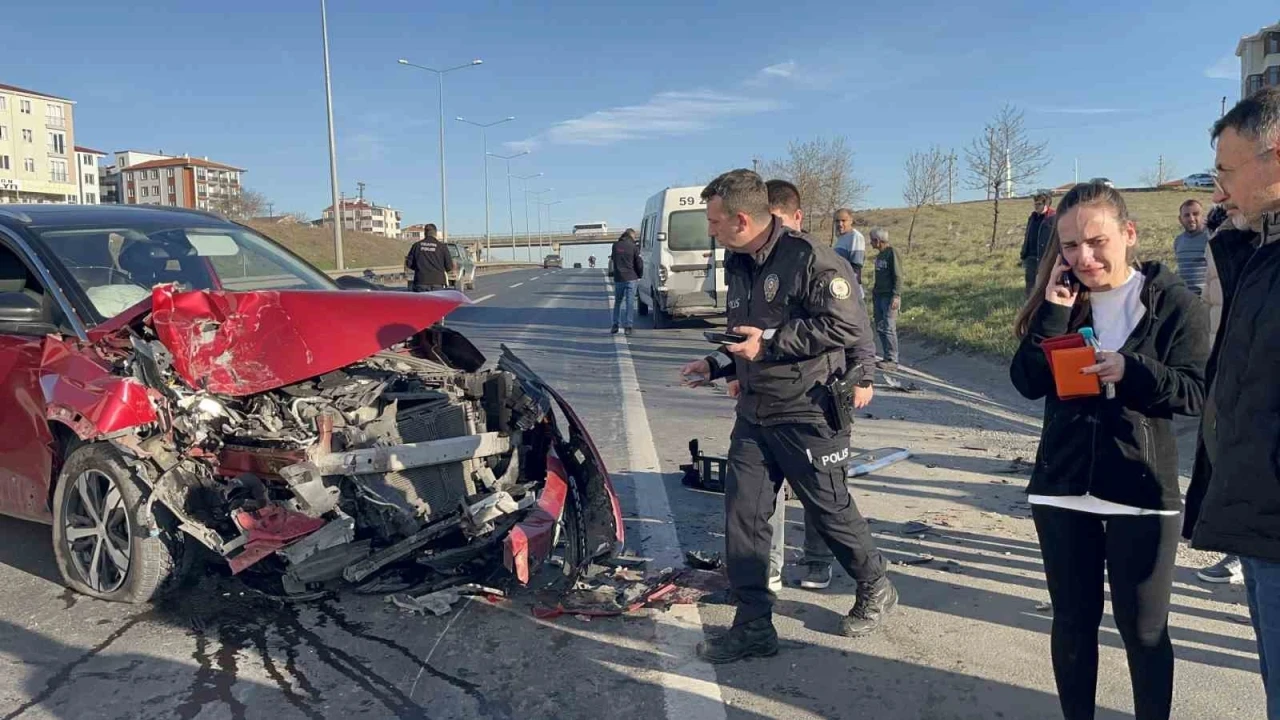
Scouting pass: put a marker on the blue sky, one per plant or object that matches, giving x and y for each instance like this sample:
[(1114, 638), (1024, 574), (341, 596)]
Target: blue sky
[(619, 100)]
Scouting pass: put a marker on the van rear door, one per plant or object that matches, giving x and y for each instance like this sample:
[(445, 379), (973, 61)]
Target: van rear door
[(697, 264)]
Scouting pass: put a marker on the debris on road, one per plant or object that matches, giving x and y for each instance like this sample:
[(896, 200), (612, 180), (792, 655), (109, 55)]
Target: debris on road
[(1044, 607), (608, 597), (705, 472), (873, 460), (915, 527), (1017, 466), (915, 559), (701, 560), (441, 602)]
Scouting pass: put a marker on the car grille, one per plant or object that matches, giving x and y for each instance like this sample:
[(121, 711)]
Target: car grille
[(428, 491)]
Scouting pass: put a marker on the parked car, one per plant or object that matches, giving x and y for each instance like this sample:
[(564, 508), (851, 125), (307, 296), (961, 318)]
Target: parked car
[(1200, 180), (552, 261), (172, 378), (577, 266), (465, 277)]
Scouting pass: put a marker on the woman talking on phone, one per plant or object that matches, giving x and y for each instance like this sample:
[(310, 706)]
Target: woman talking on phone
[(1104, 492)]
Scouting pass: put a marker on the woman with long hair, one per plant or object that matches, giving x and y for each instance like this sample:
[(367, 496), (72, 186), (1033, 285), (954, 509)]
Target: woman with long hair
[(1104, 492)]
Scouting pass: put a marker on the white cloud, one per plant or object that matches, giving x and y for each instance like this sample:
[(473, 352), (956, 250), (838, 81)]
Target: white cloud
[(1082, 110), (1227, 68), (665, 114)]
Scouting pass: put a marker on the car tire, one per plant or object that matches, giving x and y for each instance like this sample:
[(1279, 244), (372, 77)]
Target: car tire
[(95, 479), (661, 320), (641, 306)]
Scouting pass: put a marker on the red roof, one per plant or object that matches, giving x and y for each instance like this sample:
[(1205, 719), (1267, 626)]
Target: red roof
[(14, 88), (83, 149), (182, 161)]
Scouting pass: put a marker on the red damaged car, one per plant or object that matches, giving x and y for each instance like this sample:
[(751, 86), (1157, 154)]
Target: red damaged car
[(172, 379)]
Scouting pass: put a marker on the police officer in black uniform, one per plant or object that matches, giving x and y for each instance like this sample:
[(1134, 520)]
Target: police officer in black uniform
[(430, 263), (794, 302)]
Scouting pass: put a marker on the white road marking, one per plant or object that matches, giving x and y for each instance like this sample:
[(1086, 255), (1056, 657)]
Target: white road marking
[(690, 688), (481, 299), (516, 285)]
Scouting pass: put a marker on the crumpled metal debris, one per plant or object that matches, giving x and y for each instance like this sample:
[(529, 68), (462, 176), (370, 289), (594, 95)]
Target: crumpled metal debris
[(441, 602), (702, 560)]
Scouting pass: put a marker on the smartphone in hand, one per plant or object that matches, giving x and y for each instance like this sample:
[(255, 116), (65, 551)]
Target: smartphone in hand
[(724, 338), (1068, 279)]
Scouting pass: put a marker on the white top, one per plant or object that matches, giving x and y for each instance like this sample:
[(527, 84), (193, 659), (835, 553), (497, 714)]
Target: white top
[(1116, 312)]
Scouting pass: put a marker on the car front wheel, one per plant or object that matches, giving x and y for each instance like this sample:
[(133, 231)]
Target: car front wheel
[(101, 547)]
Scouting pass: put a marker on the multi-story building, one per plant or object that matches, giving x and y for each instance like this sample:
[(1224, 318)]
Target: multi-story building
[(1259, 55), (87, 173), (414, 233), (367, 217), (37, 147), (184, 181), (109, 176)]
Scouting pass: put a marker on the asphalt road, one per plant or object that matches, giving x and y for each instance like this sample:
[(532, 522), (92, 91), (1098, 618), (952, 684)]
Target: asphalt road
[(970, 640)]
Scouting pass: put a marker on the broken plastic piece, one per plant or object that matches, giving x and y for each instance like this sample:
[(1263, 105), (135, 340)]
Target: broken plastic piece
[(701, 560), (873, 460), (915, 527), (268, 530)]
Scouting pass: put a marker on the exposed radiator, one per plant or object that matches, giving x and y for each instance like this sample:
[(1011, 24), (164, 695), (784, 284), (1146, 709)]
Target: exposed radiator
[(427, 491)]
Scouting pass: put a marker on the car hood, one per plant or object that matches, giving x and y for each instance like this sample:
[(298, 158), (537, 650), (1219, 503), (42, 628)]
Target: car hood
[(243, 343)]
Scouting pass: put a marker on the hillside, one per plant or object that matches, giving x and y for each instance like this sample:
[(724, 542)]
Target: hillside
[(964, 297), (315, 244)]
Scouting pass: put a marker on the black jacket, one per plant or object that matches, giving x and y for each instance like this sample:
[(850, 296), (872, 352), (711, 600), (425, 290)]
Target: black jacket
[(430, 262), (1122, 449), (625, 261), (1233, 504), (888, 273), (802, 294), (1036, 238)]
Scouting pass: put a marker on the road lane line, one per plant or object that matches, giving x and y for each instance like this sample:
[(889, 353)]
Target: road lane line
[(480, 300), (690, 688), (516, 285)]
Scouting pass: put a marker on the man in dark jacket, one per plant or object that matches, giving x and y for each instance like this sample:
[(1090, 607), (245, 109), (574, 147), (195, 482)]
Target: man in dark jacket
[(1036, 239), (626, 267), (429, 262), (886, 297), (1233, 504), (792, 299)]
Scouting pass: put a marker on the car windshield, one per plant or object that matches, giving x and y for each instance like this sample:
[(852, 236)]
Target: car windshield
[(116, 267)]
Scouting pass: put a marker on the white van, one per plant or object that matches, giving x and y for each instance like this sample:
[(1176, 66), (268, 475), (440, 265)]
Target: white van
[(683, 266)]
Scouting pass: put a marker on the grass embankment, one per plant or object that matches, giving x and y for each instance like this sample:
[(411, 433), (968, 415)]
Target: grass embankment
[(315, 245), (963, 296)]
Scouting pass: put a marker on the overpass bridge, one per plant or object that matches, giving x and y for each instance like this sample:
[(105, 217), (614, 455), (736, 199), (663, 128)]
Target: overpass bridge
[(555, 240)]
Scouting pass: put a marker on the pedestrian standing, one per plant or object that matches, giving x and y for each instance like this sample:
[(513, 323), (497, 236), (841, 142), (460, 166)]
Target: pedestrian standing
[(1104, 492), (428, 262), (886, 297), (792, 300), (1189, 247), (626, 267), (850, 245), (1036, 238), (1233, 504), (784, 203)]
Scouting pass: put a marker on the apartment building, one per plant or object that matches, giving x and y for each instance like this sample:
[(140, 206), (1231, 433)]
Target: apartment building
[(367, 217), (37, 147), (1259, 55), (414, 233), (184, 181), (87, 175)]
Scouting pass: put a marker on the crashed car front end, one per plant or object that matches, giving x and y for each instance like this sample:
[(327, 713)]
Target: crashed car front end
[(323, 437)]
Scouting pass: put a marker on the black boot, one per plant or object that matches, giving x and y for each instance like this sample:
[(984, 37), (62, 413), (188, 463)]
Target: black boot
[(614, 329), (874, 602), (754, 639)]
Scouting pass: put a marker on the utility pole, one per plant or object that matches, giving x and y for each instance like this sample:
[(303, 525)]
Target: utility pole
[(1224, 105), (951, 177), (1160, 171), (333, 152), (360, 189), (755, 165), (271, 209)]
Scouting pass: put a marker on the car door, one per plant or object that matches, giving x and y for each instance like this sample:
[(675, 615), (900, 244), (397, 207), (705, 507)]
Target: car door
[(26, 444)]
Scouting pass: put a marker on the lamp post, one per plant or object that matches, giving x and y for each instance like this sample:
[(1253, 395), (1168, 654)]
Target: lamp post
[(333, 151), (536, 200), (550, 227), (524, 185), (484, 138), (511, 222), (444, 213)]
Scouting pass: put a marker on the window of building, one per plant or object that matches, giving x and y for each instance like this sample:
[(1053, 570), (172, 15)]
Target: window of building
[(90, 179), (91, 198), (1253, 84), (24, 107), (29, 165), (58, 170), (1273, 42), (146, 191), (58, 143), (1273, 76), (132, 192), (202, 189), (155, 174), (4, 133), (53, 116), (28, 136), (169, 172), (4, 162), (4, 103)]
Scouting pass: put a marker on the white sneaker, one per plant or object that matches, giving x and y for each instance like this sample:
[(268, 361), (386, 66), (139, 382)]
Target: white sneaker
[(775, 583)]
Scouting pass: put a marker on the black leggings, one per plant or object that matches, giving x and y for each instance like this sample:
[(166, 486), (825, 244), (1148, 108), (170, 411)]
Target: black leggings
[(1138, 552)]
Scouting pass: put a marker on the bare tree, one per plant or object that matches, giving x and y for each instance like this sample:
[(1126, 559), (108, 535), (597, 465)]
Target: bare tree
[(822, 170), (926, 183), (1003, 158), (1163, 172), (240, 206)]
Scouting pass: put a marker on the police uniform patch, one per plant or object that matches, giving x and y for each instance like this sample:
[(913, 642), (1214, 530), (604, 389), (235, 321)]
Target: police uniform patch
[(770, 288), (840, 289)]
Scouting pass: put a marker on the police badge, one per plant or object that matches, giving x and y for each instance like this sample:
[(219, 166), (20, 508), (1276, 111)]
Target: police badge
[(840, 289), (770, 288)]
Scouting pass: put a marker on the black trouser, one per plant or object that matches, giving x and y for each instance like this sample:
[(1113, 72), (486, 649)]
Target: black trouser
[(426, 288), (813, 459), (1138, 552)]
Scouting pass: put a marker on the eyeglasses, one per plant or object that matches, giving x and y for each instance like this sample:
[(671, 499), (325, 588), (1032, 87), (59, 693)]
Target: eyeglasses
[(1219, 174)]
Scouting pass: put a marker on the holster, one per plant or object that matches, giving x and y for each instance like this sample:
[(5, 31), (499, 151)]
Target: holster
[(840, 400)]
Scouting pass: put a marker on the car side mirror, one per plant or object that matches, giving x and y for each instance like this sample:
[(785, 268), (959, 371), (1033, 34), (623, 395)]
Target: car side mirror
[(355, 282), (21, 314)]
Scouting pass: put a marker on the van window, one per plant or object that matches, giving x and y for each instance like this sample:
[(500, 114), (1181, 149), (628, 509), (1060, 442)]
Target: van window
[(687, 230)]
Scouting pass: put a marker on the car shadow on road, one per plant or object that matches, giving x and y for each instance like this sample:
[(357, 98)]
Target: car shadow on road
[(28, 547)]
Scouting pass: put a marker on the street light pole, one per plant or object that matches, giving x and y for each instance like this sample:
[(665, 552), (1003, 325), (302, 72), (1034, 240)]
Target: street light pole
[(444, 212), (537, 199), (550, 227), (333, 151), (484, 138), (510, 212), (524, 185)]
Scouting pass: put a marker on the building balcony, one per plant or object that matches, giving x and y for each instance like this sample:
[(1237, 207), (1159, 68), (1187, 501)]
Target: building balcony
[(59, 178), (56, 122)]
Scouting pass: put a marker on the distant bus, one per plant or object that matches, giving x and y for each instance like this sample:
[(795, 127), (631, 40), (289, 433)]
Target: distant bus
[(595, 228)]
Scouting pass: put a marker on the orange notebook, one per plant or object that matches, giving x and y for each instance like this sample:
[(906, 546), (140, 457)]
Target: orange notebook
[(1071, 383)]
